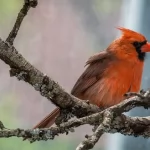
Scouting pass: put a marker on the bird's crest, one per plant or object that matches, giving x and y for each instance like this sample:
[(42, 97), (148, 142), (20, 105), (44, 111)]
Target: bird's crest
[(127, 33)]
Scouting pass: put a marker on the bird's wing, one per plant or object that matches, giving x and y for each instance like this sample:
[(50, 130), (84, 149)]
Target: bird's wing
[(97, 64)]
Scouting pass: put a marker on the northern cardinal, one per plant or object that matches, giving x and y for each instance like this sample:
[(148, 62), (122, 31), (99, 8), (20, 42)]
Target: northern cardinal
[(110, 73)]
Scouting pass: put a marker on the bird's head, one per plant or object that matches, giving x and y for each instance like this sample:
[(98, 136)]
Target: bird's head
[(132, 43)]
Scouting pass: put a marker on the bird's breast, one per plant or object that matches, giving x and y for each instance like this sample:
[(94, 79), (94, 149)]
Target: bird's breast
[(118, 79)]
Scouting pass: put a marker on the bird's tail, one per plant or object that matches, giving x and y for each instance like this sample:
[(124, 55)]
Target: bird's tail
[(49, 120)]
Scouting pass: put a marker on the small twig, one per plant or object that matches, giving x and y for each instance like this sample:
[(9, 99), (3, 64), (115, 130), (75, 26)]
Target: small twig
[(134, 94), (132, 102), (91, 140), (102, 128), (23, 12)]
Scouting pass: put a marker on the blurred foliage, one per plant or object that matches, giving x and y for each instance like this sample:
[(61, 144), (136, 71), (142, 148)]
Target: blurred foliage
[(9, 6), (16, 144), (104, 6), (8, 12), (6, 102)]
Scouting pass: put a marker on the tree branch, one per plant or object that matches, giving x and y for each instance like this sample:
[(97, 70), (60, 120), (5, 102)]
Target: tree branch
[(48, 88), (23, 12), (132, 126), (23, 70)]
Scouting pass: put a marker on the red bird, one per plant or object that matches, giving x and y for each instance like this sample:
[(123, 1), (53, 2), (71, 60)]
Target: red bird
[(110, 74)]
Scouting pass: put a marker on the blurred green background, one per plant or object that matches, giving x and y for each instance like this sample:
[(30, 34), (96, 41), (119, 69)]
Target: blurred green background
[(57, 37)]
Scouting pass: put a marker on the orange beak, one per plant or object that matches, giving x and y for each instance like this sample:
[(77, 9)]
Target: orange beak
[(146, 47)]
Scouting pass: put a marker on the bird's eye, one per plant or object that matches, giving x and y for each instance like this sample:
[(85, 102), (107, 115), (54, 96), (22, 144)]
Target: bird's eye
[(137, 44)]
